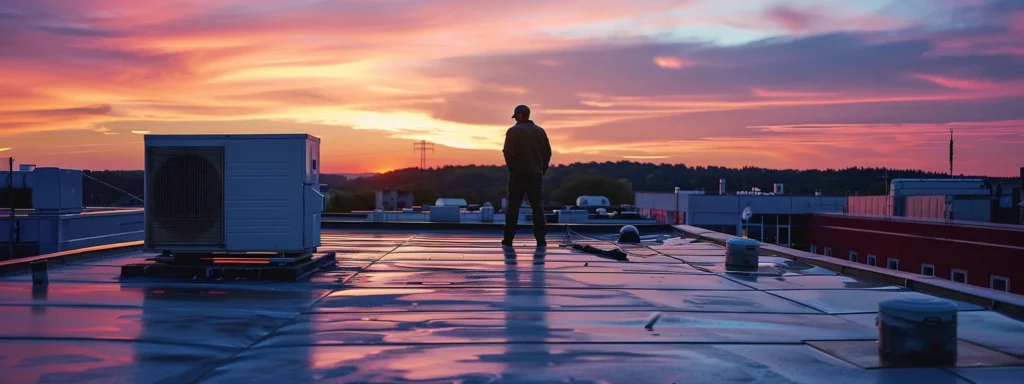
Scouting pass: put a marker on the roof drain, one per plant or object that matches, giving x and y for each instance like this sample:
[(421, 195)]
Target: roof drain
[(917, 332)]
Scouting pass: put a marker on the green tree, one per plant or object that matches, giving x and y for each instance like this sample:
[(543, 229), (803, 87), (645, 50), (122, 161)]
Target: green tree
[(876, 188), (618, 191), (488, 183), (423, 194), (352, 201), (656, 181)]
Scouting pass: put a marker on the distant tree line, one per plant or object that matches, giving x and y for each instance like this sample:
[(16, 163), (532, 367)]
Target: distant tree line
[(97, 194), (562, 184)]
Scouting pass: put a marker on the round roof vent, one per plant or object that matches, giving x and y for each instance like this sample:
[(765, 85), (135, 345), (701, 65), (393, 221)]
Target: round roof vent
[(629, 235)]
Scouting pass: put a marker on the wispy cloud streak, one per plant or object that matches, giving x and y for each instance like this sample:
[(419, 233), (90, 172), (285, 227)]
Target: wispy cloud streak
[(699, 81)]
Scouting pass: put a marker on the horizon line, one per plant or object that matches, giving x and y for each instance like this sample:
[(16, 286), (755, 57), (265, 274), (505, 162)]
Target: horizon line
[(434, 168)]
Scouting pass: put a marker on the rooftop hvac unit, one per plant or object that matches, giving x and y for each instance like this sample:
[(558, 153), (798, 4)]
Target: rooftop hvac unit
[(233, 193), (592, 201)]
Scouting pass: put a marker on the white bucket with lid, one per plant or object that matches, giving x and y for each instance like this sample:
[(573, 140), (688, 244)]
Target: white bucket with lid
[(742, 253)]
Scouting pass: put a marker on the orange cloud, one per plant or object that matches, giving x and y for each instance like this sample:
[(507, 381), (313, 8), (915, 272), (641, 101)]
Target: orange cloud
[(669, 62), (105, 131), (82, 71), (644, 157), (830, 145), (689, 104)]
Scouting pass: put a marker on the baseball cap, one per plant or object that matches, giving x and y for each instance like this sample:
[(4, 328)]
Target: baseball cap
[(520, 109)]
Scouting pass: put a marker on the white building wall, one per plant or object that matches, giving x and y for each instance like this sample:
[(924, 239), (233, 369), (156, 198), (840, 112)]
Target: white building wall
[(926, 187), (726, 210), (655, 200), (56, 233)]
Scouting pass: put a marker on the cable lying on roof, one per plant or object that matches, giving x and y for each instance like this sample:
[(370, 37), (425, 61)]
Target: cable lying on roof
[(614, 254)]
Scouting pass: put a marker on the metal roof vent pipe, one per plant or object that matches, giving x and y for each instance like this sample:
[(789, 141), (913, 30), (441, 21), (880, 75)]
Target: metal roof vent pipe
[(487, 213), (39, 272), (741, 254), (917, 332), (629, 235)]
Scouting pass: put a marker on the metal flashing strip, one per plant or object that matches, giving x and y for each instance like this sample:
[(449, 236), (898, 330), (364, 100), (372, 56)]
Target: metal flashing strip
[(432, 226), (1006, 303), (18, 266)]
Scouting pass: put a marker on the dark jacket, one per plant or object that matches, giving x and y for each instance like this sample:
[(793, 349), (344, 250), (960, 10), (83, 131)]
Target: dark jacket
[(527, 149)]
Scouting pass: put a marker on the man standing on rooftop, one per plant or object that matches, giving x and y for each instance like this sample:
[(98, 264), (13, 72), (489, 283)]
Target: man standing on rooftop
[(527, 154)]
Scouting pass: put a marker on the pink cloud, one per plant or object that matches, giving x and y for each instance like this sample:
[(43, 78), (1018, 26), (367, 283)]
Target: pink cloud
[(790, 19), (1017, 23), (821, 19), (88, 68), (1007, 39), (958, 83), (679, 104), (768, 93)]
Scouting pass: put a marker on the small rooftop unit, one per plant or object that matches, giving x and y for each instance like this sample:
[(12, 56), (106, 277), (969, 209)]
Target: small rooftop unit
[(46, 190), (592, 201), (451, 202), (233, 194)]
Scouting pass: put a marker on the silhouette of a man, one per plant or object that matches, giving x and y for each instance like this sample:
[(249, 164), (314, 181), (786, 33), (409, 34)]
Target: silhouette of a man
[(527, 154)]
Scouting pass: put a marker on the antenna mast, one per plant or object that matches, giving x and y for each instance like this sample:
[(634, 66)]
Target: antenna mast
[(888, 192), (951, 152)]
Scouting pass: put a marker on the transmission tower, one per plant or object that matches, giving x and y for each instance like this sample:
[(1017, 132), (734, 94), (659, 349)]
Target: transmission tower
[(422, 147)]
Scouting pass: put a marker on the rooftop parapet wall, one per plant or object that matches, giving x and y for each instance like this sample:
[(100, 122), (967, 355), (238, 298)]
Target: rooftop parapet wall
[(998, 234)]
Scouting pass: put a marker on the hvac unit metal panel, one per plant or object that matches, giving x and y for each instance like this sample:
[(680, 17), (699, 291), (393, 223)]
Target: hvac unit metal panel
[(575, 216), (233, 193), (185, 195), (445, 214), (55, 190)]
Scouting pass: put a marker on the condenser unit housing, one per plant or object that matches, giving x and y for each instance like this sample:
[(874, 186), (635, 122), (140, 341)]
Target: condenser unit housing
[(233, 193)]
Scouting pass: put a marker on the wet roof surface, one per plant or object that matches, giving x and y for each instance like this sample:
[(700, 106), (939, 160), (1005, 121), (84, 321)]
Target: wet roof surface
[(454, 307)]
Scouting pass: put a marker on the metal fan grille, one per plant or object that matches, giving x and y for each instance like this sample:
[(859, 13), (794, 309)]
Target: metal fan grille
[(185, 196)]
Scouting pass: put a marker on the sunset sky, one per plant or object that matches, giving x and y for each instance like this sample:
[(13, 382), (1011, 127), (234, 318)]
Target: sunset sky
[(781, 84)]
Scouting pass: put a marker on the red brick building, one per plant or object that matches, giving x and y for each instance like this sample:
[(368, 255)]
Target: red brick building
[(986, 255)]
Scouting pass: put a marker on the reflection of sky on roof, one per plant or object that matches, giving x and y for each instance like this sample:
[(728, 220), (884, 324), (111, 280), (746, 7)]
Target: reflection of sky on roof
[(446, 307)]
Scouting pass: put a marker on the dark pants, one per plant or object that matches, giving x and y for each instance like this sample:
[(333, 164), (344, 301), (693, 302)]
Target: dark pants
[(529, 185)]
